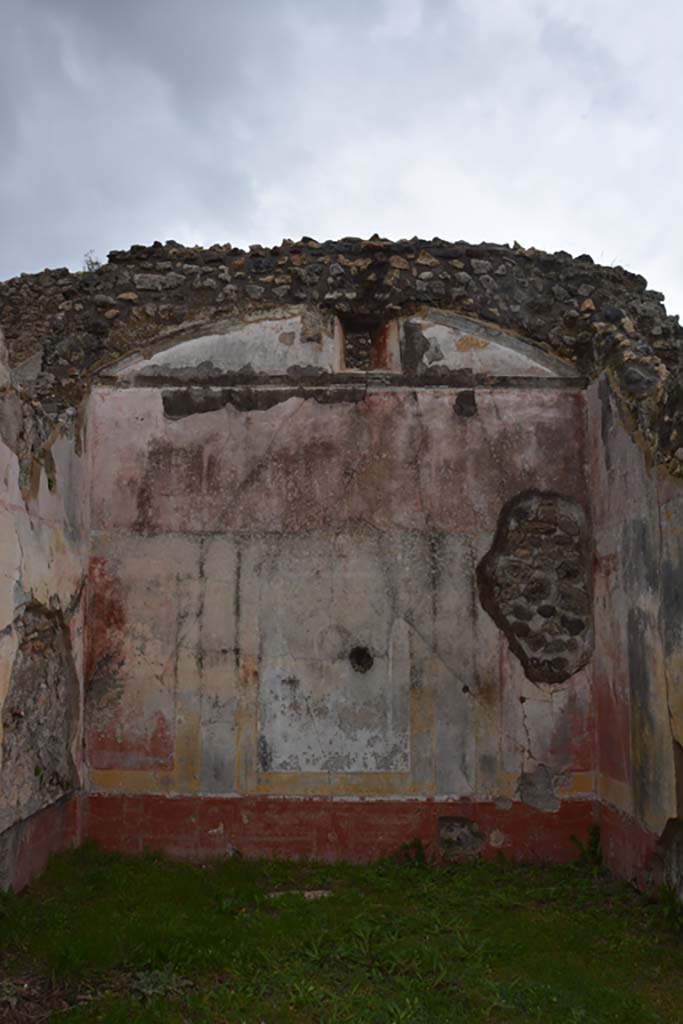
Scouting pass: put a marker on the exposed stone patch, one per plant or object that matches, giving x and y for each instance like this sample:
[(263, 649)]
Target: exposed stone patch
[(29, 430), (363, 337), (535, 583), (460, 837), (40, 714), (358, 350)]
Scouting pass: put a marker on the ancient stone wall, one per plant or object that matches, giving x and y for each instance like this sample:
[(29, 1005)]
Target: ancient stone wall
[(536, 584), (599, 317), (365, 561)]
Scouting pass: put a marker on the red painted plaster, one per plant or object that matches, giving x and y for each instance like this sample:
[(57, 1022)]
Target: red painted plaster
[(201, 828)]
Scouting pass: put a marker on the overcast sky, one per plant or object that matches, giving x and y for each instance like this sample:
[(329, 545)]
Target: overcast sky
[(553, 122)]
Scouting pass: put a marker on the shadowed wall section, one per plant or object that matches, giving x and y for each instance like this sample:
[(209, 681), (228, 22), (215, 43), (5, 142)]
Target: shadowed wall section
[(43, 564), (638, 663)]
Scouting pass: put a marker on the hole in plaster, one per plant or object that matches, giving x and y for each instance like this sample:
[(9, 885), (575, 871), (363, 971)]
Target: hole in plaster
[(361, 659)]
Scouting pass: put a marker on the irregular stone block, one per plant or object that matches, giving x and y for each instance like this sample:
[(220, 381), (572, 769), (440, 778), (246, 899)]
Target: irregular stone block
[(535, 583), (39, 715)]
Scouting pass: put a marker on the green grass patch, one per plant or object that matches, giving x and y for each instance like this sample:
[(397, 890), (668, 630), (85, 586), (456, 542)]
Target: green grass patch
[(111, 939)]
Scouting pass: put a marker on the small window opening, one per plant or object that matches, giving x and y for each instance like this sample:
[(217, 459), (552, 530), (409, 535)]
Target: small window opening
[(365, 341)]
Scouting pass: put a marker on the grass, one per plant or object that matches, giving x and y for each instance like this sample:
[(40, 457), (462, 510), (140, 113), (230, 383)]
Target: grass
[(111, 939)]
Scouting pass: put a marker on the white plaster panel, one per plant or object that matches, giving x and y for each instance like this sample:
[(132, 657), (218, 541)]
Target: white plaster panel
[(456, 343), (262, 346), (318, 599)]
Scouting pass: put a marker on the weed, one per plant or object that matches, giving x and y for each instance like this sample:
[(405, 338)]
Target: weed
[(9, 994), (90, 261), (672, 908), (590, 851), (164, 982), (413, 853), (408, 1012)]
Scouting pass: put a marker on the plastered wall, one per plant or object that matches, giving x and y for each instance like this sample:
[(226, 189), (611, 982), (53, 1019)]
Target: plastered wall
[(257, 599), (283, 598)]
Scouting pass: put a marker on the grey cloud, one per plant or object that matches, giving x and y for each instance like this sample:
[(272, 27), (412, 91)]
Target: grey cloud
[(555, 123)]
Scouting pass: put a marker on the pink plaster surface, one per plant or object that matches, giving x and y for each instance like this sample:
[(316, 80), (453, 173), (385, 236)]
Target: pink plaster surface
[(396, 459), (399, 462)]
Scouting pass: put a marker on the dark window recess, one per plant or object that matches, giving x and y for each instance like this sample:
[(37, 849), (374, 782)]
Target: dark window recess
[(365, 341)]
